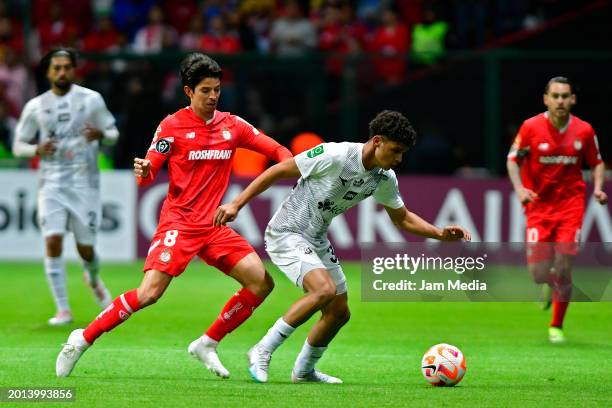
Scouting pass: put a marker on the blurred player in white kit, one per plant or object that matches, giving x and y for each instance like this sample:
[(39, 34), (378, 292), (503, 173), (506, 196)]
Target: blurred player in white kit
[(71, 121)]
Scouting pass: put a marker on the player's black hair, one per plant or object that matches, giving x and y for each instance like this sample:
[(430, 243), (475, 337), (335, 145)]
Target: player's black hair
[(197, 66), (558, 80), (58, 52), (394, 126)]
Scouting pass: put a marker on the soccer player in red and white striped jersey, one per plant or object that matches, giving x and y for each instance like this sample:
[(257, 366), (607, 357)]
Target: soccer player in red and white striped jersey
[(198, 142), (544, 165)]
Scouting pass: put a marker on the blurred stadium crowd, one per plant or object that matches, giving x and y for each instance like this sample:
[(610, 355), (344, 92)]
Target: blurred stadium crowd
[(140, 92)]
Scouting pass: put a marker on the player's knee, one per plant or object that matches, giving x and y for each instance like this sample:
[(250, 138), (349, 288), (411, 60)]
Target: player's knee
[(54, 246), (539, 274), (325, 293), (149, 295), (86, 252), (262, 287)]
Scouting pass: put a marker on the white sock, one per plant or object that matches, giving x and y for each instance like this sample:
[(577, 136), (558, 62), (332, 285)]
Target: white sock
[(93, 269), (208, 342), (308, 358), (56, 276), (276, 335)]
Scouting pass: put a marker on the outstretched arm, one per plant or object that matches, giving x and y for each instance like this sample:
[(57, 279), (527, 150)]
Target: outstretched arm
[(268, 147), (410, 222), (284, 170)]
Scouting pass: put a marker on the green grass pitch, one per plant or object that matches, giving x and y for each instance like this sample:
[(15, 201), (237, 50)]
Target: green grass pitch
[(144, 362)]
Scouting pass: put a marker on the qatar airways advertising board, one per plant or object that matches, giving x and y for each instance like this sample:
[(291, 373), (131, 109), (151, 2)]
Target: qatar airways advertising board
[(486, 207)]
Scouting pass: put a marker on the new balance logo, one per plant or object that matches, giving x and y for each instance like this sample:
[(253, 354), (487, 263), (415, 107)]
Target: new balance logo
[(210, 155), (190, 135)]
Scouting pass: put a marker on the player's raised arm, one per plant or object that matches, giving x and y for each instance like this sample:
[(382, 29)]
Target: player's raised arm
[(284, 170), (412, 223)]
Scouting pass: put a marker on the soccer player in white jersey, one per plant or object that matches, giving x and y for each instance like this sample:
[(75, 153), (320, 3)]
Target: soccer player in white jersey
[(71, 121), (333, 178)]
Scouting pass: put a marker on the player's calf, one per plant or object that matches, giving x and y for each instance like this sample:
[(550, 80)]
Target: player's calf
[(115, 314)]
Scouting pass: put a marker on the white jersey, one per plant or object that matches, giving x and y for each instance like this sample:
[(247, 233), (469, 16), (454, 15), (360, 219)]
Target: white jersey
[(332, 180), (62, 118)]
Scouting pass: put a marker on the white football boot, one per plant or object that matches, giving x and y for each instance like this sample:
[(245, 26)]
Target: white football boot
[(62, 318), (208, 356), (71, 352), (100, 292), (314, 376), (259, 363)]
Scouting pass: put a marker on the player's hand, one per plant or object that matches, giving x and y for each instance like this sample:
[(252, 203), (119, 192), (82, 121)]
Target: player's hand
[(601, 197), (91, 133), (455, 233), (46, 148), (225, 213), (525, 195), (142, 167)]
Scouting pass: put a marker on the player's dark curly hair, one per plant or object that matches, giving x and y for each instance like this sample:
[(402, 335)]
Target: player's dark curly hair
[(58, 52), (394, 126), (559, 80), (197, 66)]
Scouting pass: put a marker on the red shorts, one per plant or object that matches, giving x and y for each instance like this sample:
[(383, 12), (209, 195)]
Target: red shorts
[(546, 235), (172, 249)]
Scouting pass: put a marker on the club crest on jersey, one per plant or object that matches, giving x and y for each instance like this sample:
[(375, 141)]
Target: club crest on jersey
[(227, 135), (165, 256), (162, 146), (577, 144), (543, 147)]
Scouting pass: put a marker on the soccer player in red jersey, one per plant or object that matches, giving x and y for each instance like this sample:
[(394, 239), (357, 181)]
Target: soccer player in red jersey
[(198, 142), (544, 166)]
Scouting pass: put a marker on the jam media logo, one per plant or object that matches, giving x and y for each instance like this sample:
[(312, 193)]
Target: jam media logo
[(315, 152)]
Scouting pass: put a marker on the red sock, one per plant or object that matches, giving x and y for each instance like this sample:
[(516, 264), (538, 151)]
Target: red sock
[(235, 312), (562, 291), (115, 314)]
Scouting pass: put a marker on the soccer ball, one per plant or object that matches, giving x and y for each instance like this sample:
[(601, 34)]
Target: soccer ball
[(443, 365)]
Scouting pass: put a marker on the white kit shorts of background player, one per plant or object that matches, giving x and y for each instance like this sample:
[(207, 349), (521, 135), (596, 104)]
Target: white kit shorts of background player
[(332, 180), (69, 179)]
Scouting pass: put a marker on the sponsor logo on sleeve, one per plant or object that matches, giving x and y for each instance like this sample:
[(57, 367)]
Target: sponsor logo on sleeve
[(315, 152), (162, 146)]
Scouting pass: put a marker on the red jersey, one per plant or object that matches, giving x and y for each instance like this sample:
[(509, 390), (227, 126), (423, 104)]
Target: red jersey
[(200, 155), (551, 161)]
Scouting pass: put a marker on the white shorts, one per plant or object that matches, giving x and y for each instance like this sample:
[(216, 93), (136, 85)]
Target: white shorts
[(69, 209), (295, 256)]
